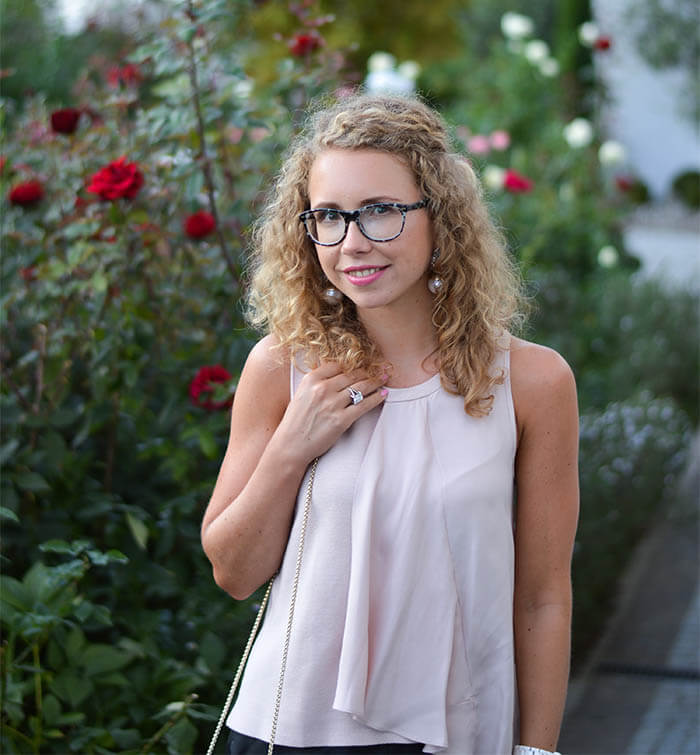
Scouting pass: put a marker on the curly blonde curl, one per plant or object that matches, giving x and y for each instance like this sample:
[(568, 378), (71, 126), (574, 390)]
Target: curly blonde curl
[(481, 299)]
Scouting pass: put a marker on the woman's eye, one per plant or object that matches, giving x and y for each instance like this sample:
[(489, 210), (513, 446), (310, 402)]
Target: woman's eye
[(327, 216), (380, 209)]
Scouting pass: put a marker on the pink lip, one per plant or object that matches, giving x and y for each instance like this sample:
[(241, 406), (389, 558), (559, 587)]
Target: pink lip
[(366, 279)]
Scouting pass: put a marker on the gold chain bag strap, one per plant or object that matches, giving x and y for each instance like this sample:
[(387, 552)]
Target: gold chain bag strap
[(256, 625)]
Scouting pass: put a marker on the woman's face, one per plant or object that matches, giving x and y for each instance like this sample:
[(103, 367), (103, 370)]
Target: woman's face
[(372, 273)]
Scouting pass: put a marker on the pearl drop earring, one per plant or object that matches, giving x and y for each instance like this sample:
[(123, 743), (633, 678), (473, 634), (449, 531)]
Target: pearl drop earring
[(435, 282), (331, 295)]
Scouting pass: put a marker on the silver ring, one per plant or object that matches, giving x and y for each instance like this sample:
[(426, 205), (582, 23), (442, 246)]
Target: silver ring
[(355, 395)]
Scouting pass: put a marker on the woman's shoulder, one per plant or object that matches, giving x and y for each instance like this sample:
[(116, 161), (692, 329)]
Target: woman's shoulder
[(541, 379), (266, 371)]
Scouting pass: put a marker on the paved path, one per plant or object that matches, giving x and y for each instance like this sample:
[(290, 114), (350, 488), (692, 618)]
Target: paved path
[(641, 692)]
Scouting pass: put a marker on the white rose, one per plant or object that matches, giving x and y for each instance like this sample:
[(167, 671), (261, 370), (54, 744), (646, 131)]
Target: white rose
[(549, 67), (608, 256), (377, 82), (611, 153), (536, 51), (409, 69), (516, 26), (578, 133), (380, 61), (588, 32), (493, 177)]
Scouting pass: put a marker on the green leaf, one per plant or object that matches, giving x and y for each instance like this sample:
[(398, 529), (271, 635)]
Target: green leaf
[(75, 642), (71, 688), (14, 593), (181, 737), (207, 443), (99, 658), (8, 515), (57, 546), (51, 710), (33, 482), (8, 449), (138, 530), (212, 649)]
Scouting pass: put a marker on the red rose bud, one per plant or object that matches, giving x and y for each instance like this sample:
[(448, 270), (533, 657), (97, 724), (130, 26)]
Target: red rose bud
[(203, 384), (65, 121), (3, 162), (303, 44), (128, 75), (26, 193), (602, 43), (516, 183), (116, 180), (131, 74), (199, 224)]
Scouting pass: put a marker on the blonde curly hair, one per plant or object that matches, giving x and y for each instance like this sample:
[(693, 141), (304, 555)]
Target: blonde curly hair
[(481, 297)]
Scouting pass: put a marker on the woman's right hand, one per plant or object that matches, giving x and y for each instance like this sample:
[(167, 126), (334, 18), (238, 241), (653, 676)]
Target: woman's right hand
[(321, 409), (271, 442)]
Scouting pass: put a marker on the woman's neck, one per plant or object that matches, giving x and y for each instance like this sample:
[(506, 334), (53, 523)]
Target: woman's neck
[(407, 340)]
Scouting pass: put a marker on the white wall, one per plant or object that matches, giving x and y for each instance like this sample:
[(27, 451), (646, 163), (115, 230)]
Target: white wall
[(643, 110)]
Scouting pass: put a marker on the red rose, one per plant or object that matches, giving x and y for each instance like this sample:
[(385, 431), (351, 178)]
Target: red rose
[(65, 121), (624, 183), (516, 183), (3, 161), (28, 273), (116, 180), (303, 44), (199, 224), (203, 384), (129, 75), (602, 43), (26, 193)]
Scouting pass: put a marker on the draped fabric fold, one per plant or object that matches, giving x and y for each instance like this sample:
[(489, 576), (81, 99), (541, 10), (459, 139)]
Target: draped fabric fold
[(398, 643)]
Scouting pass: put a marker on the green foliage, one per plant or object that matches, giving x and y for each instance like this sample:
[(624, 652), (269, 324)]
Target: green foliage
[(629, 453), (38, 55), (625, 335)]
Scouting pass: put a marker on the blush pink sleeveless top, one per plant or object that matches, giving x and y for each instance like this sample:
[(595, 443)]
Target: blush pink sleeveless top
[(403, 629)]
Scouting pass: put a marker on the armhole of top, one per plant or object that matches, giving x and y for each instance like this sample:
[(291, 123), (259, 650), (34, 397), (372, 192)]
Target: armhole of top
[(510, 404)]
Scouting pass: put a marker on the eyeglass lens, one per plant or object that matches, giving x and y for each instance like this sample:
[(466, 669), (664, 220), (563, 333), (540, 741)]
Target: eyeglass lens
[(379, 222)]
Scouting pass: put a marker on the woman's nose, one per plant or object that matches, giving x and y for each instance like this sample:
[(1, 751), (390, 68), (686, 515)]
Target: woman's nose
[(355, 240)]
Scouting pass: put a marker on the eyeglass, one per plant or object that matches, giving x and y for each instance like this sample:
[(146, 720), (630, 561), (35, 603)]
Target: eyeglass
[(383, 221)]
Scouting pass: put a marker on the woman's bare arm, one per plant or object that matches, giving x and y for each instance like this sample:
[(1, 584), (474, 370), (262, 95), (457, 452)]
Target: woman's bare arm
[(544, 393), (272, 440)]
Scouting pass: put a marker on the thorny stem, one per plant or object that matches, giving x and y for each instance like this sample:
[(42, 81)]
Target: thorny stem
[(41, 333), (205, 160), (169, 723), (111, 446)]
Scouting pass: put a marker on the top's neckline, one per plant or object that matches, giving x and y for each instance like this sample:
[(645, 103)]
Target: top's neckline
[(413, 391)]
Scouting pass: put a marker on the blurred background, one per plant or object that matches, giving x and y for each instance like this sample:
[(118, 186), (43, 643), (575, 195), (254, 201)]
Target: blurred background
[(138, 139)]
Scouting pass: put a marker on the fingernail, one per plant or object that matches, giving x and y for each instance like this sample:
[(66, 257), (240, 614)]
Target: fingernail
[(384, 392)]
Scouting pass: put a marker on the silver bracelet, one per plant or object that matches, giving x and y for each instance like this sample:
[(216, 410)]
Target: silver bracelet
[(525, 750)]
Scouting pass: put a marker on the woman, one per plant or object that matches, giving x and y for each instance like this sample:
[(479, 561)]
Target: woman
[(433, 614)]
